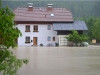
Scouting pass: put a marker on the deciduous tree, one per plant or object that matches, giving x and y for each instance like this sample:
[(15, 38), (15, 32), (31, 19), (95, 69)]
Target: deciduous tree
[(96, 29), (9, 64), (76, 38)]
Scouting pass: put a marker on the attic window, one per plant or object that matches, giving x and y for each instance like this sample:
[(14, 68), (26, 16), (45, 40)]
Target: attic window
[(52, 15)]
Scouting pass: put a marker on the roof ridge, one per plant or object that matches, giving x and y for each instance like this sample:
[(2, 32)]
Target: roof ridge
[(43, 7)]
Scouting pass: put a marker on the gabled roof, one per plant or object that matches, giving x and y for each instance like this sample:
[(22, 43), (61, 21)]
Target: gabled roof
[(76, 25), (43, 15)]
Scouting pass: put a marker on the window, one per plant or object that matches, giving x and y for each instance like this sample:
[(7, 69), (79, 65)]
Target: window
[(49, 27), (49, 38), (35, 28), (27, 28), (27, 39), (53, 39)]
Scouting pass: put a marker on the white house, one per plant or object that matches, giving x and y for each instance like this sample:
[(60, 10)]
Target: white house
[(45, 26)]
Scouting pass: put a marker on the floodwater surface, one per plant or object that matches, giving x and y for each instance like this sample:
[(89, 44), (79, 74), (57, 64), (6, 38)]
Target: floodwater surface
[(60, 60)]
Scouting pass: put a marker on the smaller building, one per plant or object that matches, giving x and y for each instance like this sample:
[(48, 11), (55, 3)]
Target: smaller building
[(45, 26), (63, 29)]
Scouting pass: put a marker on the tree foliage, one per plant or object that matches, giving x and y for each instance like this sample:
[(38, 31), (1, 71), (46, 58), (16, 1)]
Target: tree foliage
[(96, 29), (76, 38), (90, 22), (0, 3), (93, 24), (9, 64), (96, 8), (8, 31)]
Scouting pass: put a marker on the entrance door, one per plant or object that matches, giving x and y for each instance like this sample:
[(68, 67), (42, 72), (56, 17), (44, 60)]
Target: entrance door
[(34, 41)]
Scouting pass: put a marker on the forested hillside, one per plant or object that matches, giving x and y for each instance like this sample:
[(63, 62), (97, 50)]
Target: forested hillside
[(78, 8)]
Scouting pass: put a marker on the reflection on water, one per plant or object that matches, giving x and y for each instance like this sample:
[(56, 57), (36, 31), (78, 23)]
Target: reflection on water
[(60, 60)]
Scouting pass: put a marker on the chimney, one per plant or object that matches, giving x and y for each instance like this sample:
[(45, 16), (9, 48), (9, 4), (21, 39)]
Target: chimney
[(30, 6), (49, 6)]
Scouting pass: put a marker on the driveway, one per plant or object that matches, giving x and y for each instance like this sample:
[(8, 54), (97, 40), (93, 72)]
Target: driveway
[(60, 60)]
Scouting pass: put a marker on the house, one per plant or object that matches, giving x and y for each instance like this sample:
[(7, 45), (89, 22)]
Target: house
[(45, 26)]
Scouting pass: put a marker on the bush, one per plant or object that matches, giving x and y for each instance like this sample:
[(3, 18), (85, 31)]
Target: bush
[(76, 38)]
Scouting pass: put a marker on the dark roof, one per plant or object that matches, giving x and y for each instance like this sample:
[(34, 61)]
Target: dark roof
[(77, 25), (42, 14)]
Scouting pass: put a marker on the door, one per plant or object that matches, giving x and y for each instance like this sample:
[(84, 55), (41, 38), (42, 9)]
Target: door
[(34, 41), (63, 41)]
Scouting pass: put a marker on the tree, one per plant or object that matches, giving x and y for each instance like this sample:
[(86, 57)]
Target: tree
[(93, 24), (76, 38), (96, 29), (96, 9), (83, 37), (90, 23), (0, 3), (9, 64)]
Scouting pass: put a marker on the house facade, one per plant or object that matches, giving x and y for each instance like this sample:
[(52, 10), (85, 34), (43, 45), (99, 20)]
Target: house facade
[(35, 34), (45, 26)]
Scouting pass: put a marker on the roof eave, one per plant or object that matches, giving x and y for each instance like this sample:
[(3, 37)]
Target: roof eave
[(48, 21)]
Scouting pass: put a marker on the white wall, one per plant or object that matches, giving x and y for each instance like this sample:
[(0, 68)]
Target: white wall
[(42, 34)]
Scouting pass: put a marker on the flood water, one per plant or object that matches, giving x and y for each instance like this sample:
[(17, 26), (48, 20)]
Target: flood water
[(60, 60)]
